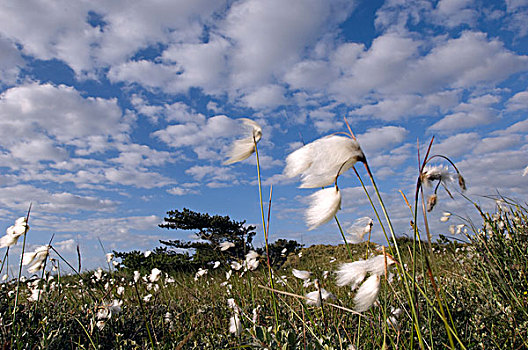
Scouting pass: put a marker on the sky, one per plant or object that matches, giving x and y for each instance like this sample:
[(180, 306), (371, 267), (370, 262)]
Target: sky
[(114, 112)]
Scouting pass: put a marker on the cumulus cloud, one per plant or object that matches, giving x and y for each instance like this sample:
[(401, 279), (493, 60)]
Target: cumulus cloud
[(88, 35), (477, 111), (269, 36), (405, 106), (379, 139), (452, 13), (19, 196), (27, 110), (268, 96), (457, 145), (10, 62), (518, 102)]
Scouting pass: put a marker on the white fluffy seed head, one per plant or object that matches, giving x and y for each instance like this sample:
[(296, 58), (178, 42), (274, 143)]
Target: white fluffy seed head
[(320, 162), (314, 298), (435, 173), (235, 326), (351, 274), (243, 148), (355, 272), (359, 229), (367, 293), (324, 205), (301, 274), (226, 245), (376, 264), (154, 275), (8, 241)]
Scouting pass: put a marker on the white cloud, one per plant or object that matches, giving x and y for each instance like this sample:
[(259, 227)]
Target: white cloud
[(310, 74), (394, 65), (184, 189), (192, 134), (147, 73), (68, 246), (28, 110), (10, 62), (140, 178), (465, 61), (268, 96), (379, 139), (269, 36), (213, 174), (200, 64), (19, 196), (47, 30), (452, 13), (476, 112), (378, 68), (401, 106), (500, 143), (456, 145), (62, 30), (518, 102)]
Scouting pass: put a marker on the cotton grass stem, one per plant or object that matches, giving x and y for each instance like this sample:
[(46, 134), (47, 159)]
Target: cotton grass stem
[(400, 266), (429, 260), (20, 269), (265, 228), (344, 239), (145, 313)]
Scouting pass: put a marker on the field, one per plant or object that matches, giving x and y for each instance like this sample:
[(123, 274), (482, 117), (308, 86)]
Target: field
[(471, 296)]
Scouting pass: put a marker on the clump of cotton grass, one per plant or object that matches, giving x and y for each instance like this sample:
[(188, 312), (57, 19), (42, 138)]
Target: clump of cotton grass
[(252, 260), (316, 297), (14, 232), (441, 175), (367, 294), (201, 272), (36, 259), (155, 275), (445, 216), (241, 149), (392, 319), (361, 227), (226, 245), (105, 311), (320, 162), (235, 265), (301, 274), (235, 325), (324, 205), (354, 273), (109, 257)]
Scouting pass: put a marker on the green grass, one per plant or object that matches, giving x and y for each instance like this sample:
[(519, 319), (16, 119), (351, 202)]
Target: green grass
[(483, 286)]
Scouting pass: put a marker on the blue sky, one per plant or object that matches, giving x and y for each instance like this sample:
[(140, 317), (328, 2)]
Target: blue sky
[(112, 113)]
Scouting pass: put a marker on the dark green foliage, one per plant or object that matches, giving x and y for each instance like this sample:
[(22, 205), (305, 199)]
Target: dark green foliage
[(211, 231), (180, 255), (161, 258), (277, 256)]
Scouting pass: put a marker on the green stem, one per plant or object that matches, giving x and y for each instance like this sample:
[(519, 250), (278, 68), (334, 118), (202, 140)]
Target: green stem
[(344, 239), (20, 268), (266, 237), (145, 313), (6, 255), (400, 266)]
